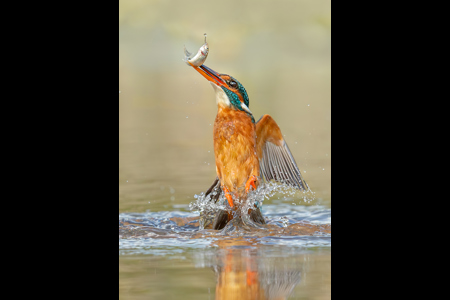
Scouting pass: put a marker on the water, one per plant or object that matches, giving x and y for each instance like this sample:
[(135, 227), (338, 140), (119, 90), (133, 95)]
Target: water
[(235, 270), (247, 262), (172, 231)]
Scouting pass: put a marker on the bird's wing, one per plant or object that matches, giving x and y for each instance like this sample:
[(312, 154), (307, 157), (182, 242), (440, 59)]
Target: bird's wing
[(275, 159), (215, 187)]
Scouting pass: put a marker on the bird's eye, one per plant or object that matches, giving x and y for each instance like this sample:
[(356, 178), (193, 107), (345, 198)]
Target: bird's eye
[(233, 83)]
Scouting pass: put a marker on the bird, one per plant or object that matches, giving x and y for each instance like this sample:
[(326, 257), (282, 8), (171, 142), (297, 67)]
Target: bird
[(246, 151)]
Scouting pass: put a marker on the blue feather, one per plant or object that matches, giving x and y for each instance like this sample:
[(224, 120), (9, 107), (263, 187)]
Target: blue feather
[(234, 99)]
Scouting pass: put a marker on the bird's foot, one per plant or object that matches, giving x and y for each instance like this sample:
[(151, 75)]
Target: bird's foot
[(250, 182), (228, 196)]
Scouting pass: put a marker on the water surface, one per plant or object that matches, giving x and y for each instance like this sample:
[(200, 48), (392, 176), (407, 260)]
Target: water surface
[(175, 258)]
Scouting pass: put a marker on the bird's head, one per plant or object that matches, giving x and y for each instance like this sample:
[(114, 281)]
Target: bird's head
[(229, 92)]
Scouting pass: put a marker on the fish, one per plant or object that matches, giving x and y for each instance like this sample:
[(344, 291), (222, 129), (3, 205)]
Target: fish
[(199, 58)]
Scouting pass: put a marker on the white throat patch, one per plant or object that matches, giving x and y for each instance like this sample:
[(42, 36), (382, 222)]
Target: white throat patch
[(221, 97)]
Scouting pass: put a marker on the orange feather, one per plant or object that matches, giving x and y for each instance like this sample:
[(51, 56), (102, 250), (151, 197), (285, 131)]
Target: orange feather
[(235, 149), (267, 130)]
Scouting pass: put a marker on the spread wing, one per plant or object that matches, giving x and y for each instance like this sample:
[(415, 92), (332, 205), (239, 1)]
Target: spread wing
[(275, 159)]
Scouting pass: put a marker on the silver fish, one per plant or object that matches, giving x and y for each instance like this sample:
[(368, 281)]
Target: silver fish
[(199, 58)]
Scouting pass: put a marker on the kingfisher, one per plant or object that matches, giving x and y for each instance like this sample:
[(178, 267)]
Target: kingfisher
[(246, 152)]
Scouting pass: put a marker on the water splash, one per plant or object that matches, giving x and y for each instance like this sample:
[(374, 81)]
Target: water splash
[(207, 208), (170, 231)]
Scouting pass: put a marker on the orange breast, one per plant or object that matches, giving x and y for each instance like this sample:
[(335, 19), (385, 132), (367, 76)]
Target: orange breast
[(235, 149)]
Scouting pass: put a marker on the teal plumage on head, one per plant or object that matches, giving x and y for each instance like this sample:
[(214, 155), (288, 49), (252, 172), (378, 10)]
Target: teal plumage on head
[(234, 98), (232, 92), (243, 92)]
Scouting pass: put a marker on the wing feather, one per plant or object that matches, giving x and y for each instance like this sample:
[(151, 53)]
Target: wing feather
[(215, 187), (276, 160), (283, 169)]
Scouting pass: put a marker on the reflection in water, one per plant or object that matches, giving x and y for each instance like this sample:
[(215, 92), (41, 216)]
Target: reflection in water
[(247, 262), (244, 271)]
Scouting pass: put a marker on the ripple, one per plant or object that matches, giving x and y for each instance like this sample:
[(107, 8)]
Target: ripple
[(173, 232)]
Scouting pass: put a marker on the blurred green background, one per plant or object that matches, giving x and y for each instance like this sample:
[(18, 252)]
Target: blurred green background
[(279, 50)]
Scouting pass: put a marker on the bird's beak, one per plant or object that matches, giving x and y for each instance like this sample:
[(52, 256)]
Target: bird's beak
[(211, 75)]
